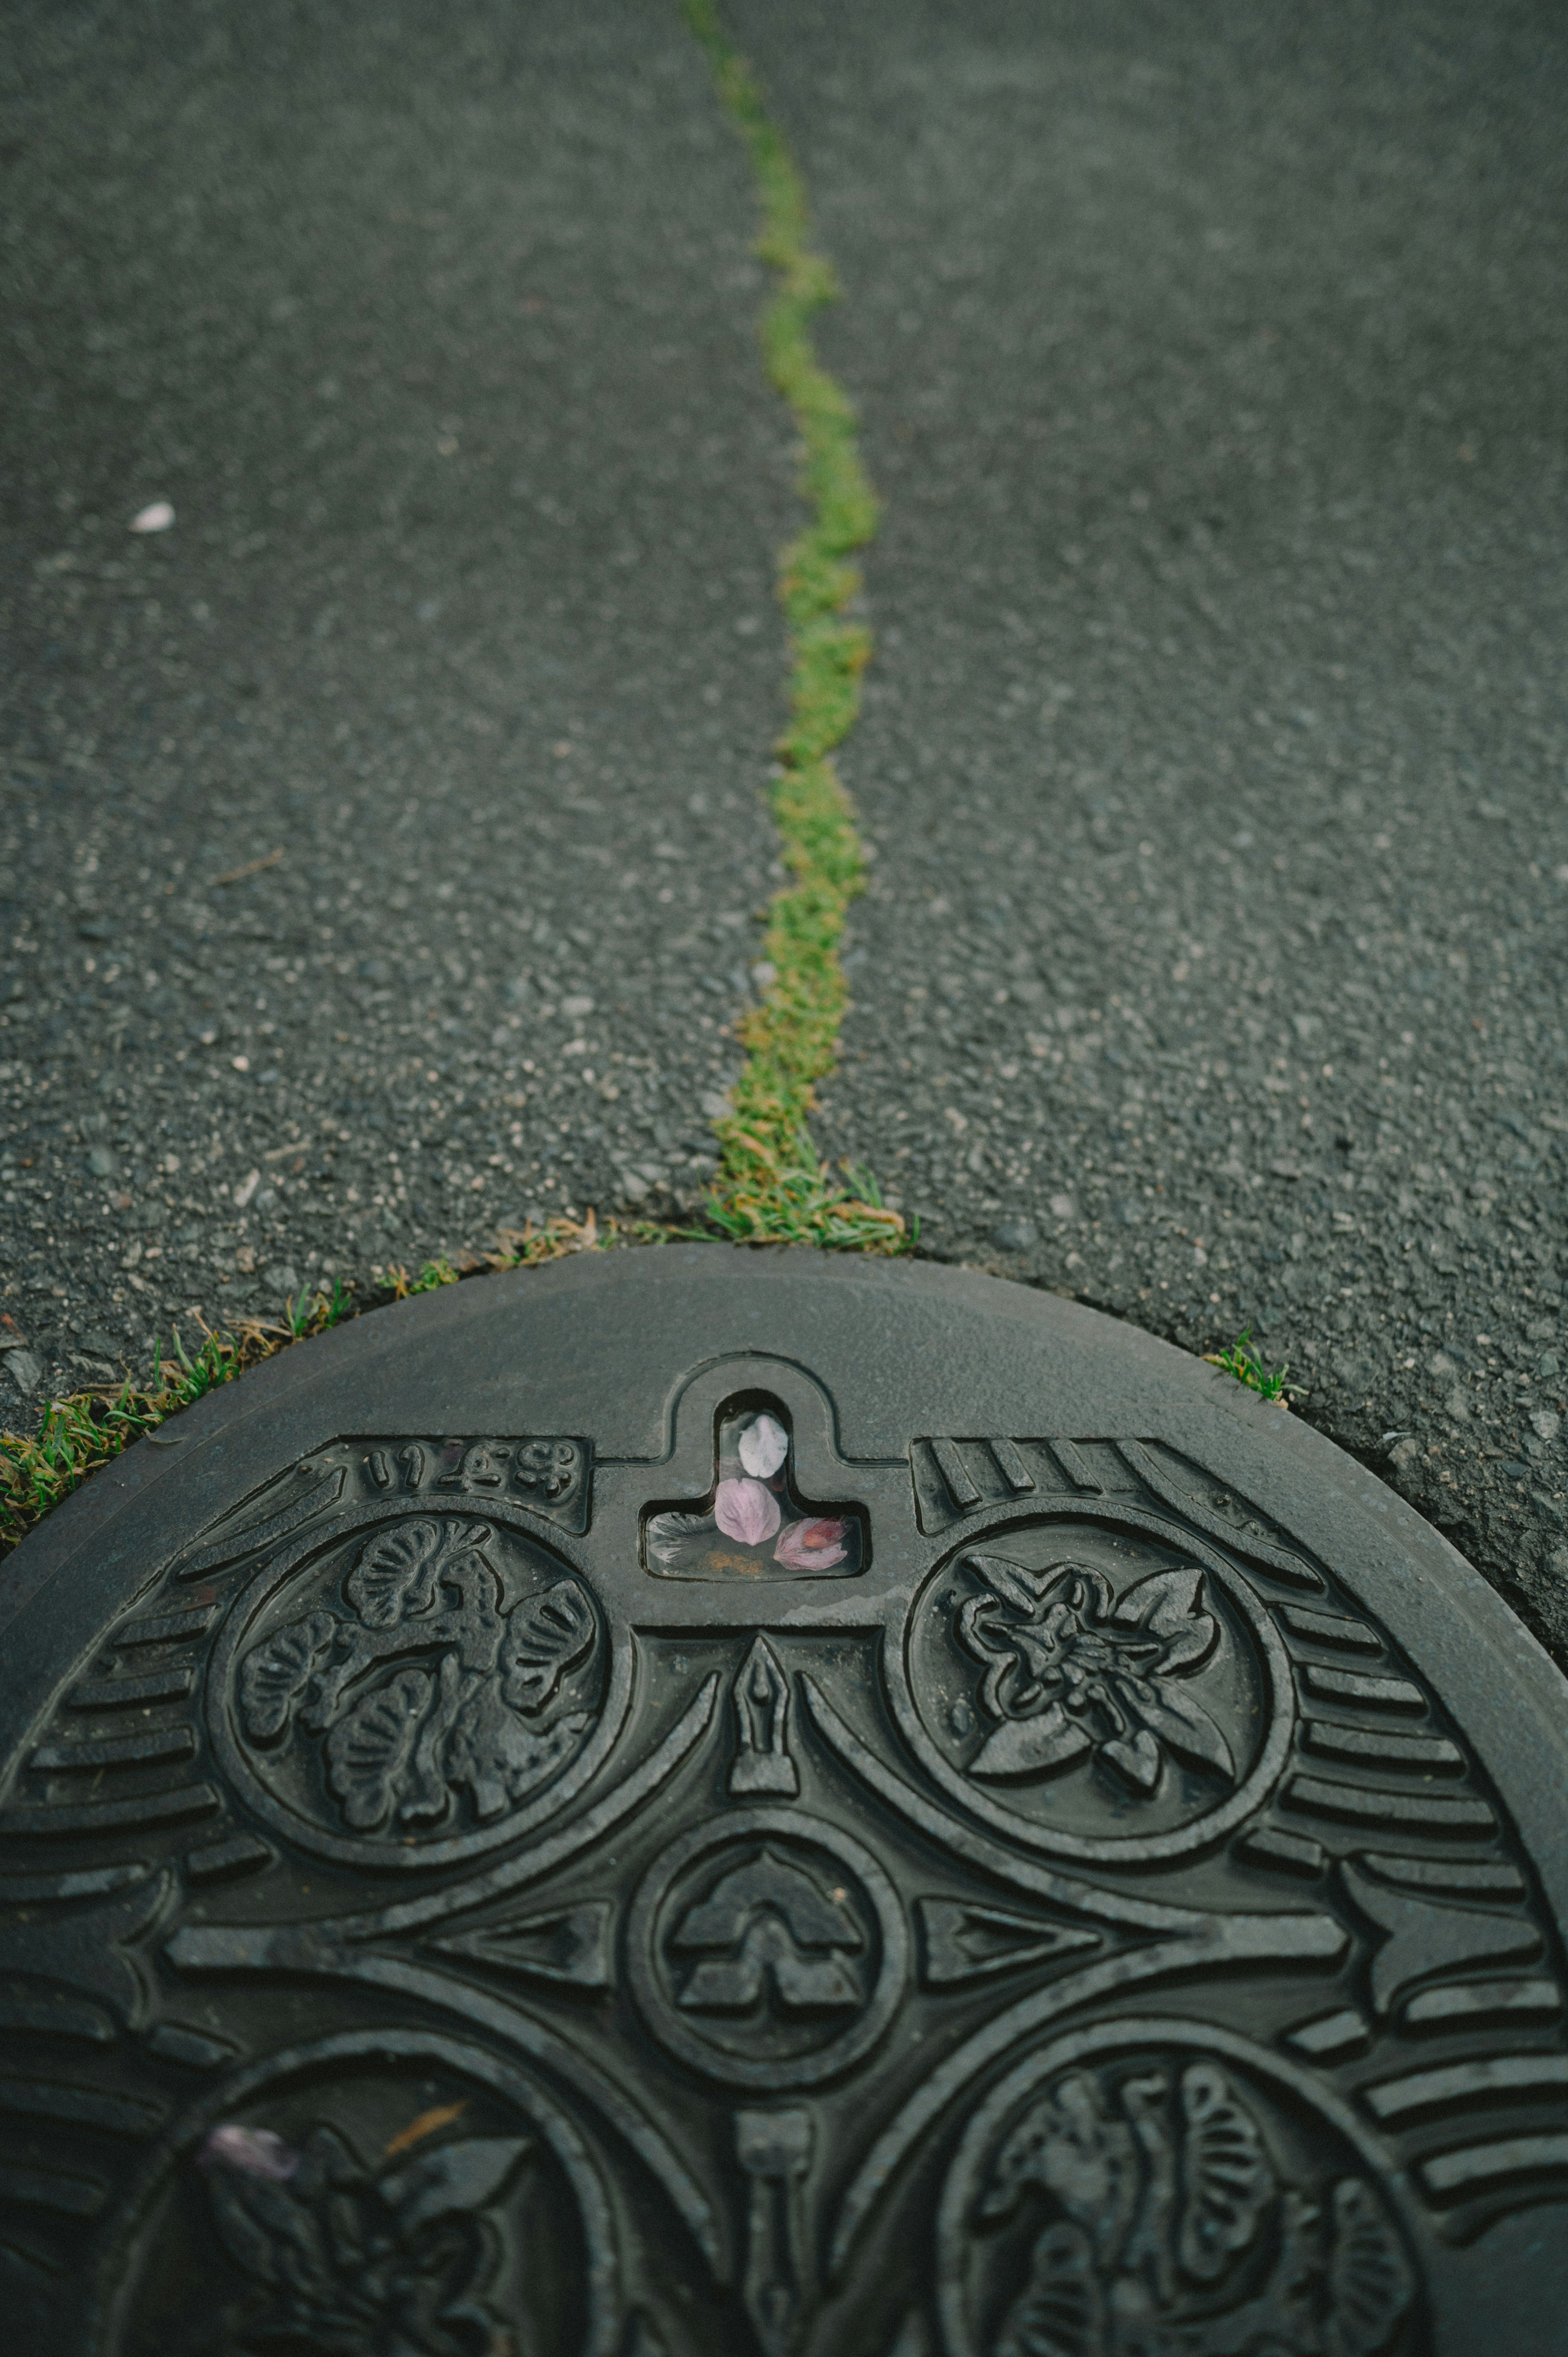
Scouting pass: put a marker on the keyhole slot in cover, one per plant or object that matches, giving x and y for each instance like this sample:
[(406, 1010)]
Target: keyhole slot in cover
[(755, 1523)]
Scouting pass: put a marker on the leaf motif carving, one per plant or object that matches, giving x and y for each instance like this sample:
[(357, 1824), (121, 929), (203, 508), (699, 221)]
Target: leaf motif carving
[(1069, 1668), (1138, 1757), (498, 1757), (546, 1635), (1369, 2280), (1228, 2178), (1168, 1606), (1014, 1583), (1028, 1747), (1060, 2313), (353, 2263), (271, 2233), (369, 1752), (432, 1686), (275, 1673), (1179, 1719), (1167, 2228), (1069, 2147), (395, 1577)]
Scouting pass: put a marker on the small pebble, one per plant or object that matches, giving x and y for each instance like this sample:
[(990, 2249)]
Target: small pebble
[(1015, 1235)]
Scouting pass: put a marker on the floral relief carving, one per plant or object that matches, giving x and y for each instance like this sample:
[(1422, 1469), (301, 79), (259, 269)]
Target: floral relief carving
[(468, 1703), (1070, 1669), (347, 2262), (1170, 2228)]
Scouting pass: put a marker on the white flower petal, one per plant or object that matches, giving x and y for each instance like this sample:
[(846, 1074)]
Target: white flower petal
[(763, 1445)]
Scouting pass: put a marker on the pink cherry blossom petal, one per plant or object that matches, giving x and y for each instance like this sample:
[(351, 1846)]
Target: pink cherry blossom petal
[(252, 2152), (811, 1545), (747, 1511)]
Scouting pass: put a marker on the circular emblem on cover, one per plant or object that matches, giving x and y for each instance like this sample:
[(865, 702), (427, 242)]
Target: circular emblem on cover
[(422, 1684), (768, 1949), (380, 2191), (1096, 1692), (1146, 2186)]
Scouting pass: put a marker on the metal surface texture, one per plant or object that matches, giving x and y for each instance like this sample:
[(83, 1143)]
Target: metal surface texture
[(697, 1802)]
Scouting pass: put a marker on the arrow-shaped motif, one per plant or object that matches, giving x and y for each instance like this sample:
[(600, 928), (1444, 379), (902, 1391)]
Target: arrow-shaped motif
[(570, 1946), (960, 1942)]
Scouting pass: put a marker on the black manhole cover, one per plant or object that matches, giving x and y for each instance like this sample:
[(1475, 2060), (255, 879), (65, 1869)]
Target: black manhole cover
[(706, 1802)]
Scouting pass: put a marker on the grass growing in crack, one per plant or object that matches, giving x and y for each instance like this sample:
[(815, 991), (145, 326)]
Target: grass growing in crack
[(88, 1428), (1240, 1358), (772, 1185), (523, 1247)]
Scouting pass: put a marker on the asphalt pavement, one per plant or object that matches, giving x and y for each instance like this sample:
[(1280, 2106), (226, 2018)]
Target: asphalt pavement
[(1212, 370), (436, 330)]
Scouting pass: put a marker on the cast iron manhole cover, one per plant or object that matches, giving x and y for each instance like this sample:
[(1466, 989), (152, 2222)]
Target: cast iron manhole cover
[(707, 1803)]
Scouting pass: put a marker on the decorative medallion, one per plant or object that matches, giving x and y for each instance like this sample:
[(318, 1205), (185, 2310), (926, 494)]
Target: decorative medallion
[(371, 2193), (1147, 2190), (768, 1949), (428, 1681), (1093, 1690)]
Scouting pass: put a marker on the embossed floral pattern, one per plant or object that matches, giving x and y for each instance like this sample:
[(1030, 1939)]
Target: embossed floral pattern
[(1070, 1670), (468, 1703), (356, 2265), (1172, 2232)]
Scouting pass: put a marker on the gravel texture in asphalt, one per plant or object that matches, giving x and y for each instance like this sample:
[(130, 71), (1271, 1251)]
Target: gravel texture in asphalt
[(436, 329), (1211, 371)]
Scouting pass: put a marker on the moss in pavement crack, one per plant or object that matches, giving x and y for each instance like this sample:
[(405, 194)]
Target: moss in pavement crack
[(772, 1185)]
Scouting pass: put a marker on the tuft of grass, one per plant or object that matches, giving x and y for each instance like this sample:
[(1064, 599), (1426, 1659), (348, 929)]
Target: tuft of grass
[(772, 1186), (523, 1247), (804, 1204), (1239, 1359), (88, 1428)]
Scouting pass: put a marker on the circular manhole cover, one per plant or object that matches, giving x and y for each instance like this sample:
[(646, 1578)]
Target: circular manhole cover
[(695, 1802)]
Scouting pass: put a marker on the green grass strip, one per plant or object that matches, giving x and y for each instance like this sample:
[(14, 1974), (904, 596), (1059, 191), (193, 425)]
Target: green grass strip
[(772, 1185)]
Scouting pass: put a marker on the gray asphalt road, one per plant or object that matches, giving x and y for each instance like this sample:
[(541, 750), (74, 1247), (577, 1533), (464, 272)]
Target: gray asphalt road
[(1213, 373), (437, 329), (1214, 752)]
